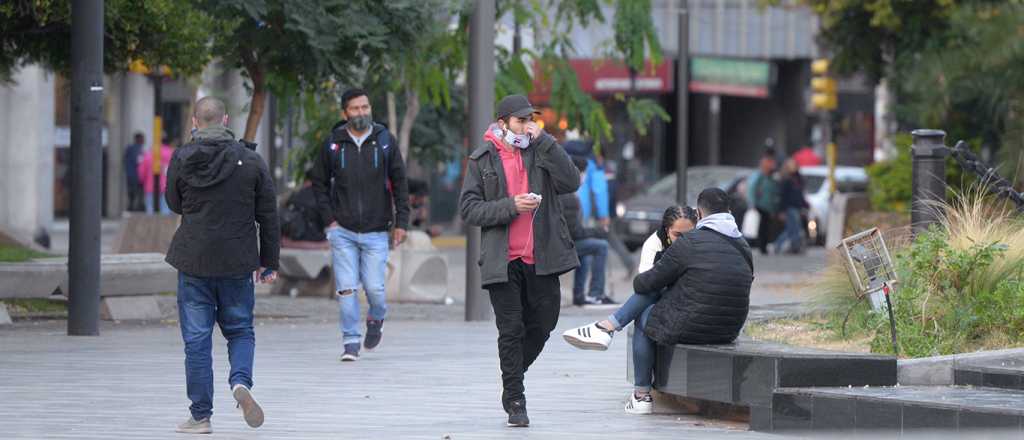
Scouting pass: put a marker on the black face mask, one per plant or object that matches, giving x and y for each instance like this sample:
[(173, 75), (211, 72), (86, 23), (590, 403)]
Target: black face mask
[(361, 122)]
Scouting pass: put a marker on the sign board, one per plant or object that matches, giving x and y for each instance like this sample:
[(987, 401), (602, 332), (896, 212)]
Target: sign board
[(607, 77), (731, 77)]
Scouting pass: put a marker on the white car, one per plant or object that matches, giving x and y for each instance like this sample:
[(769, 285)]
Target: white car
[(848, 179)]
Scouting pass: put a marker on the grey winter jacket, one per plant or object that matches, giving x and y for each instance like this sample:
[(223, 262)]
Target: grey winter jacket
[(485, 203)]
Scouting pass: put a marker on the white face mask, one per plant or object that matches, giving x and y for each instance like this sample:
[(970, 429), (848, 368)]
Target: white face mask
[(516, 140)]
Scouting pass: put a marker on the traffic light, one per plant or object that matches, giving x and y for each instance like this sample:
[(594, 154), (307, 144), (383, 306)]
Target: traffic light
[(823, 86)]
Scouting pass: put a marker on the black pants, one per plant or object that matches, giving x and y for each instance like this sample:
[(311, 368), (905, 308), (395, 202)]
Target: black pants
[(526, 311), (135, 195)]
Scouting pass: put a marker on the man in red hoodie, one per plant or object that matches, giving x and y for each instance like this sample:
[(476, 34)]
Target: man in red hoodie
[(511, 191)]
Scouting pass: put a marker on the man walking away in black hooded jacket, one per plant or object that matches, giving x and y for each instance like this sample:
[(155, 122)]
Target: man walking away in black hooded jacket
[(226, 199)]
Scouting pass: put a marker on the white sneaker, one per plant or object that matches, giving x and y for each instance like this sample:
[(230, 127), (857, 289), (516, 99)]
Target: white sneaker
[(251, 410), (641, 406), (588, 337)]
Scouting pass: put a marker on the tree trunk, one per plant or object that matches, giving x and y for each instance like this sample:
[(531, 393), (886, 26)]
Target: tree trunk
[(256, 106), (412, 110), (392, 112)]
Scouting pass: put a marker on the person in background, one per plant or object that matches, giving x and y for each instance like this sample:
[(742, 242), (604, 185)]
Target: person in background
[(763, 195), (591, 247), (792, 203), (145, 172), (133, 184)]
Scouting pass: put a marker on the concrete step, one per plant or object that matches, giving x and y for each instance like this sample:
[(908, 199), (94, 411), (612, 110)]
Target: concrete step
[(898, 409), (1001, 372)]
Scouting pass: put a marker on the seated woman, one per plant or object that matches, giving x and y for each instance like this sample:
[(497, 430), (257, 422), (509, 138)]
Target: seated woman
[(676, 221)]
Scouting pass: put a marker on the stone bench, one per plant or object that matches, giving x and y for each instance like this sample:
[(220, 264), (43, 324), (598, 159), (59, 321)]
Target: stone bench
[(746, 374), (123, 279), (417, 271)]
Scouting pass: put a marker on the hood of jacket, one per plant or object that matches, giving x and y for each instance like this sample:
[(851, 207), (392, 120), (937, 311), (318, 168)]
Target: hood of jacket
[(723, 223), (214, 156)]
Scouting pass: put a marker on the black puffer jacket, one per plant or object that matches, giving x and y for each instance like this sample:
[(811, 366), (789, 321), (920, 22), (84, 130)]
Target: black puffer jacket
[(709, 293), (222, 191)]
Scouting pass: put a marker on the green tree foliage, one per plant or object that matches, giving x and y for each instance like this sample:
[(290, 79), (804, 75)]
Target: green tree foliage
[(633, 41), (952, 64), (157, 32), (299, 45)]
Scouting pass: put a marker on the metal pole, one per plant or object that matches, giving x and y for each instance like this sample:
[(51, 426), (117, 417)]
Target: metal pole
[(682, 104), (481, 103), (831, 153), (86, 169), (928, 179), (714, 129)]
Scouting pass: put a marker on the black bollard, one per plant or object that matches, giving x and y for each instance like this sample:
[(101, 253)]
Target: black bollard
[(929, 178)]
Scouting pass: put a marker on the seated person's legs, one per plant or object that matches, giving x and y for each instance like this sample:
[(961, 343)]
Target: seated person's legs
[(598, 335), (644, 351), (629, 311)]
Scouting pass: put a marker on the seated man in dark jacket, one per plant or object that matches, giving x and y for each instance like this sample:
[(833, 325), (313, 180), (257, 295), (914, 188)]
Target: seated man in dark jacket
[(708, 272), (591, 247)]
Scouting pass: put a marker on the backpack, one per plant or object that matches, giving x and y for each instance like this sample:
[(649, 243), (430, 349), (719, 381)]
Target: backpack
[(299, 218)]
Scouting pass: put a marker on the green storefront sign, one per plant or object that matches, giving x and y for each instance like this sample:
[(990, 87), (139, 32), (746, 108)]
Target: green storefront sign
[(724, 76)]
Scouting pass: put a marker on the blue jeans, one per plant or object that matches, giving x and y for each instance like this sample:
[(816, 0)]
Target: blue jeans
[(227, 302), (632, 308), (793, 231), (147, 200), (593, 253), (644, 350), (359, 259)]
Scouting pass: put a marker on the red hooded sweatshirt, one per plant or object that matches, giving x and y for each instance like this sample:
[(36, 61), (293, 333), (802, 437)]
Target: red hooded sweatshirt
[(520, 232)]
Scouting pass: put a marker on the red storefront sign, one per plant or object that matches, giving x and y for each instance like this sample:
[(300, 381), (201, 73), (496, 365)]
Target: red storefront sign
[(606, 77)]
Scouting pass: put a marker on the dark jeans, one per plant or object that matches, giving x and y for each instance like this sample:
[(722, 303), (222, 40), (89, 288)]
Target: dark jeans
[(644, 351), (227, 302), (135, 195), (593, 253), (525, 311)]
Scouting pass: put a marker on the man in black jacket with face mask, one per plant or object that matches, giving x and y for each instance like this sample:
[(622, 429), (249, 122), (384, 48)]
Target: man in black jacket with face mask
[(223, 191), (360, 185)]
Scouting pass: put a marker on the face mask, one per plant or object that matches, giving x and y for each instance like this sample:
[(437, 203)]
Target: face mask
[(361, 122), (516, 140)]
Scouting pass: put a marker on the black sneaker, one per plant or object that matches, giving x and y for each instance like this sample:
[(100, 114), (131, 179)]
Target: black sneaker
[(351, 353), (373, 334), (517, 414), (607, 301)]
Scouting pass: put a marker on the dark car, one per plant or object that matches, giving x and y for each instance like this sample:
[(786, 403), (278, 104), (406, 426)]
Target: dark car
[(639, 216)]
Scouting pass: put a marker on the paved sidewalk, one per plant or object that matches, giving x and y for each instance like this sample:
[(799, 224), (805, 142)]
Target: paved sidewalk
[(429, 379)]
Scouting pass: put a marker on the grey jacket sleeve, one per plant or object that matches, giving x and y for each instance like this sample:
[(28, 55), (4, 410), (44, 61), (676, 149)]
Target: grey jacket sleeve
[(666, 271), (552, 158), (475, 209)]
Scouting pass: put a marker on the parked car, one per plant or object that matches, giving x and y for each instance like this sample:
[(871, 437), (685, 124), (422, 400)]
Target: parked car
[(638, 217), (848, 179)]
